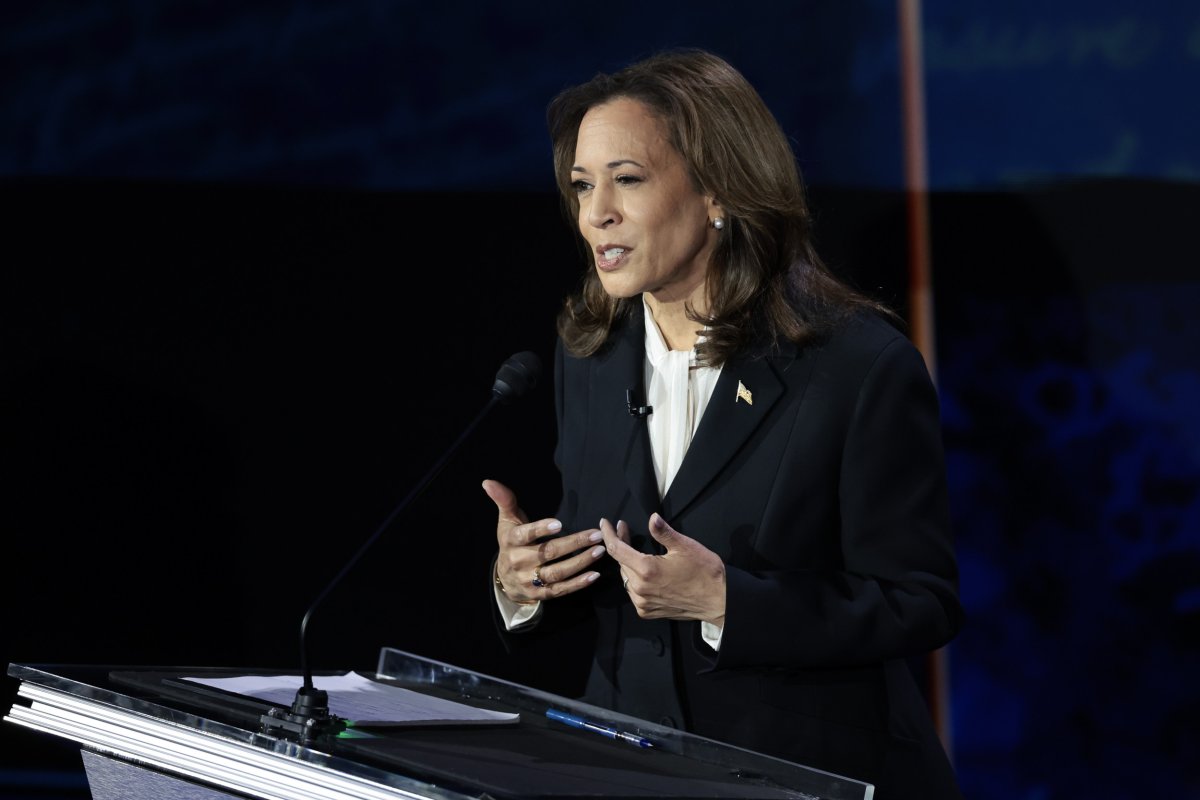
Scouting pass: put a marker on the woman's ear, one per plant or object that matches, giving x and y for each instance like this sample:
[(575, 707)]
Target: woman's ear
[(716, 214)]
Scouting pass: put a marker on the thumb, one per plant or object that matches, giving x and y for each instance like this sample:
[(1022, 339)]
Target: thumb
[(663, 533), (505, 500)]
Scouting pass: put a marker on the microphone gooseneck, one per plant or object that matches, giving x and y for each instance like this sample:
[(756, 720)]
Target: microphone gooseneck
[(309, 716)]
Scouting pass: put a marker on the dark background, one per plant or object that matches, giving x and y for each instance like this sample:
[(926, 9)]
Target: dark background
[(260, 264)]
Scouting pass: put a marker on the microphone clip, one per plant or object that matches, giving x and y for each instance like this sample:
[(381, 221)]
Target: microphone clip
[(637, 412)]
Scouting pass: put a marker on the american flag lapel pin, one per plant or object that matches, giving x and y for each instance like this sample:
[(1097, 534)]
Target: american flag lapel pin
[(744, 394)]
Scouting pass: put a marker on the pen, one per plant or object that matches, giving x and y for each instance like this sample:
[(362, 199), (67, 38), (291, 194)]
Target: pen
[(603, 730)]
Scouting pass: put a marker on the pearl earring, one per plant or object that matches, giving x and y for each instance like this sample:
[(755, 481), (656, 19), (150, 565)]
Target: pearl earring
[(718, 223)]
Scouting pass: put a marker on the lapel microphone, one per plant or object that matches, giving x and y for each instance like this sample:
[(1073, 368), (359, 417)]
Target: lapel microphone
[(638, 412)]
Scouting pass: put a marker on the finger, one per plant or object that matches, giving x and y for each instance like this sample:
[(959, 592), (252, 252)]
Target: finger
[(567, 568), (530, 532), (623, 531), (621, 551), (554, 549), (570, 585)]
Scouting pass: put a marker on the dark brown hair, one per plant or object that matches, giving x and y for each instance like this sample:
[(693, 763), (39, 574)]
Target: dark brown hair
[(765, 280)]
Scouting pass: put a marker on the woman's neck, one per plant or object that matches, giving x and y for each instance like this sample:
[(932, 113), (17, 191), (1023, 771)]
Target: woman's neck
[(678, 330)]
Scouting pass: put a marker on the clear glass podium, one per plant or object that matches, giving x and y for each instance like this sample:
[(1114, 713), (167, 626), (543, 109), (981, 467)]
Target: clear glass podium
[(146, 732)]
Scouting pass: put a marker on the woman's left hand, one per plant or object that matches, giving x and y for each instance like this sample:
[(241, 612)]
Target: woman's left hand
[(686, 582)]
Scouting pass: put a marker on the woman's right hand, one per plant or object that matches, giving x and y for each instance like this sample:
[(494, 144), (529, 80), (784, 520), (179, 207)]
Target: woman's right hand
[(526, 553)]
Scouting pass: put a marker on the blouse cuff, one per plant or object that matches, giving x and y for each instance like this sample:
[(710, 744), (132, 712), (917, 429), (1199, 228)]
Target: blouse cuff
[(514, 614), (710, 633)]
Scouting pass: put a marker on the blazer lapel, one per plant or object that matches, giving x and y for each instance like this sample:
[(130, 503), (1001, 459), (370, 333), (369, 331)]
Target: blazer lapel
[(744, 395), (626, 441)]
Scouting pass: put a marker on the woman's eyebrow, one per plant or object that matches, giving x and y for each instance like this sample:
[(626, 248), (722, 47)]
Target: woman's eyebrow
[(611, 165)]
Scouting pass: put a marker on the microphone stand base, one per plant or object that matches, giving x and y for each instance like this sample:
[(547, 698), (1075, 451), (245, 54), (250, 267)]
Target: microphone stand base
[(308, 719)]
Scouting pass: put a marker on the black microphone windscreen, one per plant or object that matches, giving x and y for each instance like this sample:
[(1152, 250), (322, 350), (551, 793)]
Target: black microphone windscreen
[(517, 376)]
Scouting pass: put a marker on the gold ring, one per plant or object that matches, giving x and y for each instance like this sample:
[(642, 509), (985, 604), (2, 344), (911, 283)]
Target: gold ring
[(537, 578)]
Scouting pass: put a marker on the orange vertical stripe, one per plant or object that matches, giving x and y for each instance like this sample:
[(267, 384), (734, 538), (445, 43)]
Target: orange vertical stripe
[(920, 282)]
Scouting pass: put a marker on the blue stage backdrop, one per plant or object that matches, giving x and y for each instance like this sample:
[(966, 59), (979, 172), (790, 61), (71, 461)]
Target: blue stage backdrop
[(412, 96), (1064, 158)]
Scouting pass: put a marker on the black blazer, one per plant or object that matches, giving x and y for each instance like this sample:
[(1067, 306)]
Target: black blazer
[(826, 498)]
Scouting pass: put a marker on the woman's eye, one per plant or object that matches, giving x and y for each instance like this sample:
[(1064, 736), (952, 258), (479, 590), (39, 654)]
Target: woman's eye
[(580, 186), (628, 180)]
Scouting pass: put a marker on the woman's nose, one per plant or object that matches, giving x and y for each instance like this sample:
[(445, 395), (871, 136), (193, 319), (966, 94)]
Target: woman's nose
[(602, 210)]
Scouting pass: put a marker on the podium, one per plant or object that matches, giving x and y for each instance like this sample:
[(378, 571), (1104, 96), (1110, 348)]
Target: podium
[(147, 733)]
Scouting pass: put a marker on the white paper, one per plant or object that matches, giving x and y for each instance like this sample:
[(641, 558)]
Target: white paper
[(357, 698)]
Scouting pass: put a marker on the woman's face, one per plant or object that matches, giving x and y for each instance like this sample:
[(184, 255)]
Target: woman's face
[(647, 225)]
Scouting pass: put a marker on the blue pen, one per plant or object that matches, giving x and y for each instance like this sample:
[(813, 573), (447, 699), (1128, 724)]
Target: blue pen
[(603, 730)]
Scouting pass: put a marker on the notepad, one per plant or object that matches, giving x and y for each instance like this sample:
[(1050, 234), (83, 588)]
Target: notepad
[(362, 701)]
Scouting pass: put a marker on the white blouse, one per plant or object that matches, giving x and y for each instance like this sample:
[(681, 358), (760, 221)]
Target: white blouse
[(678, 390)]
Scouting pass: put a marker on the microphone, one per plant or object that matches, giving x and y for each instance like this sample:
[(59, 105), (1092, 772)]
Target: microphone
[(309, 716), (517, 376), (640, 412)]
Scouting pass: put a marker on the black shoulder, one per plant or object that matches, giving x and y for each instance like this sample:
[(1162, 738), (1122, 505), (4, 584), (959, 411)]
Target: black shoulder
[(866, 341)]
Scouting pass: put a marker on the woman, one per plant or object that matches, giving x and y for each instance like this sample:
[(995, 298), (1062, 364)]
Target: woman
[(757, 445)]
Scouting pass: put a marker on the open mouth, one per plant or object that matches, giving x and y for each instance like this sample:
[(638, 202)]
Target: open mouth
[(609, 257)]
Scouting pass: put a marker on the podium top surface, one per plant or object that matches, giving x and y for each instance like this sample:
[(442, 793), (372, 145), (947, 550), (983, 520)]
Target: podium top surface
[(117, 709)]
